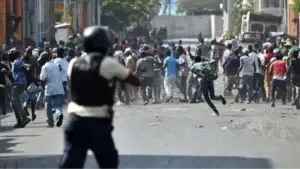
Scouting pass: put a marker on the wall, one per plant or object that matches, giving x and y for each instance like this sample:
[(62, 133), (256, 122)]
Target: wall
[(188, 26), (18, 9), (49, 18), (2, 22), (292, 27)]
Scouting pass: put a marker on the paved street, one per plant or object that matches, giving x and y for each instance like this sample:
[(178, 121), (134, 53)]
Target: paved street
[(174, 135)]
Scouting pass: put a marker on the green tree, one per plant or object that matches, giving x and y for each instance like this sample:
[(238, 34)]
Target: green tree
[(296, 5), (118, 14), (240, 8)]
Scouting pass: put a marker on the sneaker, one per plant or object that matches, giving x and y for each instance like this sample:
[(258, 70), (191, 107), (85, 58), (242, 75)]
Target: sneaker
[(33, 117), (18, 125), (168, 99), (25, 122), (50, 124), (60, 119), (183, 100), (222, 99), (216, 113)]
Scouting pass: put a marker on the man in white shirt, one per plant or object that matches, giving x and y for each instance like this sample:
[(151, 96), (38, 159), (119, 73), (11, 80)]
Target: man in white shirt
[(54, 91), (63, 64), (258, 75), (246, 72)]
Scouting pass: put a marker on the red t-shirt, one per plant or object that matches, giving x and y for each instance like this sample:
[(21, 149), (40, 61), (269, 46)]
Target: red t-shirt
[(279, 68)]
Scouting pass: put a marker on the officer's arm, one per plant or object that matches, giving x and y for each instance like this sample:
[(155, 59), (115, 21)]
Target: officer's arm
[(112, 69)]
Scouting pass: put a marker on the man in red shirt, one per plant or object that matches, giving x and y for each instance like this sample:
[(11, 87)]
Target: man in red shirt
[(278, 72)]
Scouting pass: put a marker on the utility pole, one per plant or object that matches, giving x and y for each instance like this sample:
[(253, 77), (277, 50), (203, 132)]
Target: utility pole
[(66, 10), (170, 6), (96, 11), (227, 16)]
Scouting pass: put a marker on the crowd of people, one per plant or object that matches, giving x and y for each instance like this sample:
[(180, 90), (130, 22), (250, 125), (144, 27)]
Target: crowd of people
[(38, 77)]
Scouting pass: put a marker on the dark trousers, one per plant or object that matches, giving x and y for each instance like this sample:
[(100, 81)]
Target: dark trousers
[(258, 85), (82, 134), (3, 100), (207, 89), (16, 102), (146, 82), (281, 85)]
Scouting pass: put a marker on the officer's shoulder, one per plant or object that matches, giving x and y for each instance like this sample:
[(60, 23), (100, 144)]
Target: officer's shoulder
[(72, 61), (110, 62)]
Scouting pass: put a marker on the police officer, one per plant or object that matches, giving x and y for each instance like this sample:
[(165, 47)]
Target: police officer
[(92, 87)]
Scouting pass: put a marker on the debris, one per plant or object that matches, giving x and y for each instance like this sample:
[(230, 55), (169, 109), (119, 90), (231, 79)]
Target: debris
[(153, 124), (243, 109), (200, 126)]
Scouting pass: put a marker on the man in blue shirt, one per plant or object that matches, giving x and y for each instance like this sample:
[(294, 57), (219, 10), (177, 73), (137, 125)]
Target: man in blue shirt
[(171, 67), (18, 89)]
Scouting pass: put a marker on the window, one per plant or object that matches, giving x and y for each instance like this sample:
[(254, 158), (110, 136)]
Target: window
[(257, 27), (276, 3), (271, 28)]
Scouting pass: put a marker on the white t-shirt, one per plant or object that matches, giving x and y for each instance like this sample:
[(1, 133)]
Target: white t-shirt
[(255, 58), (109, 69), (52, 76), (64, 66), (184, 70), (248, 68)]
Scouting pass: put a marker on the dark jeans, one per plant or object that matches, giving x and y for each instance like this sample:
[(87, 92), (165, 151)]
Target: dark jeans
[(146, 82), (258, 86), (82, 134), (281, 85), (246, 87), (54, 102), (206, 88), (16, 102), (3, 100)]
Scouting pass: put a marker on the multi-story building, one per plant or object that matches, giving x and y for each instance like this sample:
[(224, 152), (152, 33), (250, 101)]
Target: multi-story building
[(40, 16)]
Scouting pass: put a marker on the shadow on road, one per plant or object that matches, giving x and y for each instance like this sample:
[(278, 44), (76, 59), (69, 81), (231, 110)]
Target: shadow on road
[(151, 161), (7, 140)]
